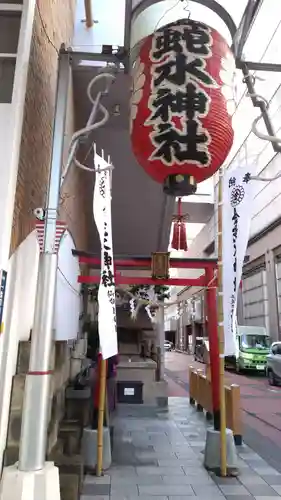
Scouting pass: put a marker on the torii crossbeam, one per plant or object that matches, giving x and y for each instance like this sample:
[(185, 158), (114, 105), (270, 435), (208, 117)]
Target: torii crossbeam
[(138, 263)]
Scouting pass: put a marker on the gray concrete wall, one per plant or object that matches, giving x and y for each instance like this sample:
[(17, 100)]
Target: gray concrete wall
[(60, 363)]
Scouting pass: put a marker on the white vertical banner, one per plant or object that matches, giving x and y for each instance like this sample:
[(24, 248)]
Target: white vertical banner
[(106, 295), (236, 220)]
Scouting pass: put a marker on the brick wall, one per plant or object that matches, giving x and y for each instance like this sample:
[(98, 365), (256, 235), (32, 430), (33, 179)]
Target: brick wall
[(55, 20), (57, 17)]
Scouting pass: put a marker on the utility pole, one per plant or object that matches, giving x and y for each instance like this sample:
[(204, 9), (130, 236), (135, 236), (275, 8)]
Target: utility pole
[(37, 386)]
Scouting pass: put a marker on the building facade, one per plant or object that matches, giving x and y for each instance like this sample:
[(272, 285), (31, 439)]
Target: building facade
[(259, 297), (31, 36), (259, 301)]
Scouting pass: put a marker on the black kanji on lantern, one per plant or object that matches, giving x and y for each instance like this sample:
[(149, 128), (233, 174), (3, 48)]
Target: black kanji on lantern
[(192, 38), (179, 70), (180, 51), (190, 102), (231, 182), (173, 145)]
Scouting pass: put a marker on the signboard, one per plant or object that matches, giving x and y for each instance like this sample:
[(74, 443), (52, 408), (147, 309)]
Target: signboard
[(3, 282), (237, 210), (160, 265), (129, 391), (107, 323)]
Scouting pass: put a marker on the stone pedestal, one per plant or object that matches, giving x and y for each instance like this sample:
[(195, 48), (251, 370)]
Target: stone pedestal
[(39, 485), (212, 452), (89, 448)]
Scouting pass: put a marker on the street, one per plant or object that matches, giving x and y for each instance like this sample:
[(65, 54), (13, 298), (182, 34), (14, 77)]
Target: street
[(261, 404)]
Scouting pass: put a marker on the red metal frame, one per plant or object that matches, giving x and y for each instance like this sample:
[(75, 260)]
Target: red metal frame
[(143, 262), (212, 326)]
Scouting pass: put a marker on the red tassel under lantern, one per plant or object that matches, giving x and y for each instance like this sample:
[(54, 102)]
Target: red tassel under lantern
[(179, 241)]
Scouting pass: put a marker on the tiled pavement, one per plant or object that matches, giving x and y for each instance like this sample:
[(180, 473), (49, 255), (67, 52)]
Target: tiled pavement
[(158, 455)]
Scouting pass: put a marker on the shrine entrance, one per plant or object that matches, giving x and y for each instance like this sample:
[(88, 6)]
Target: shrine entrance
[(154, 270)]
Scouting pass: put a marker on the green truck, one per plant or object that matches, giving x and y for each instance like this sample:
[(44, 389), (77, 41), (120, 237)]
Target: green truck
[(253, 344)]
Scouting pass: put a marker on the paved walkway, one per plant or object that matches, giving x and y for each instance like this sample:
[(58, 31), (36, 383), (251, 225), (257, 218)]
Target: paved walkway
[(158, 455), (260, 404)]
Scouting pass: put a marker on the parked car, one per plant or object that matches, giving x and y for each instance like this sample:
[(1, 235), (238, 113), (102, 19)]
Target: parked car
[(201, 349), (273, 364), (168, 346)]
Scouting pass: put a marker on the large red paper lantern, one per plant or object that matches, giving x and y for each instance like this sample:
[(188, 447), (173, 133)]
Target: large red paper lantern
[(181, 105)]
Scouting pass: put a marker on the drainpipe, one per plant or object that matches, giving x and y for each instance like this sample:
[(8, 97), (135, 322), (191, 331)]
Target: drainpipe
[(33, 441)]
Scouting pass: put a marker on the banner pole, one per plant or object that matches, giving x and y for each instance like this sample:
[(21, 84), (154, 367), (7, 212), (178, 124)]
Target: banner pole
[(223, 456), (101, 415)]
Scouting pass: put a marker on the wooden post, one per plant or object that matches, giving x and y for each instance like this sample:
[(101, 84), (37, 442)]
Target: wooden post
[(223, 456), (88, 13), (192, 385), (236, 413), (208, 372), (101, 416), (199, 407)]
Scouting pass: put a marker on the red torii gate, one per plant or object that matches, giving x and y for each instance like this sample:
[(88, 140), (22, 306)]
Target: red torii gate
[(206, 280)]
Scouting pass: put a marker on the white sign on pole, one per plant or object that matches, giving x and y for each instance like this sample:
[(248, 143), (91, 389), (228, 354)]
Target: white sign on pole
[(106, 295), (236, 220)]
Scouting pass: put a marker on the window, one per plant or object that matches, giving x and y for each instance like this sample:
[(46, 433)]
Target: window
[(278, 349), (255, 341), (274, 349), (255, 302)]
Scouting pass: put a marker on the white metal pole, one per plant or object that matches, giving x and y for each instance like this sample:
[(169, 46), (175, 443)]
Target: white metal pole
[(37, 387)]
